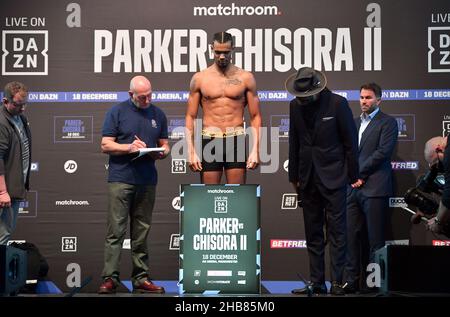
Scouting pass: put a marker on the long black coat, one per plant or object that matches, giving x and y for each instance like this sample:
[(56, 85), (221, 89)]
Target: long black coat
[(332, 148)]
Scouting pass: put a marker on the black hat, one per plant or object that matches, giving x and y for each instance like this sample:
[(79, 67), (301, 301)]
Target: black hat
[(306, 82)]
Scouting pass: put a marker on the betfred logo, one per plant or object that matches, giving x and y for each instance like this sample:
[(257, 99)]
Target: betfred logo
[(441, 243), (287, 244), (409, 165)]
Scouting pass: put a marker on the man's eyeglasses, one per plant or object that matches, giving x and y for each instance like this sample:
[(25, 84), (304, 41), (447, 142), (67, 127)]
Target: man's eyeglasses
[(17, 105), (144, 98)]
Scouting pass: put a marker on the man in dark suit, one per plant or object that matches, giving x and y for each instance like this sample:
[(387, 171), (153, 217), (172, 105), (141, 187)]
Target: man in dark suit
[(367, 205), (322, 161)]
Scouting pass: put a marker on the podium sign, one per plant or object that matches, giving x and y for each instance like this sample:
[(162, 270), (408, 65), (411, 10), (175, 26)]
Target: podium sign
[(220, 239)]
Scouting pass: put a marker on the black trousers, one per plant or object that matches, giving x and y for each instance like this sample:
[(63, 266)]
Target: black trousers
[(321, 205), (366, 218)]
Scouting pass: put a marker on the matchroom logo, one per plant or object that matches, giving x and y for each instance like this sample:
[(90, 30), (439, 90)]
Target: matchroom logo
[(24, 52), (236, 10)]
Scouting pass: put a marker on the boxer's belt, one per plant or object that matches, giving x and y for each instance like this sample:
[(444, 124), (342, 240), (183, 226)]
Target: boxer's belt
[(220, 134)]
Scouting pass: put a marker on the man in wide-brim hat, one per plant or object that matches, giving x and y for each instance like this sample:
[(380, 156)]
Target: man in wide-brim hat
[(306, 82), (323, 145)]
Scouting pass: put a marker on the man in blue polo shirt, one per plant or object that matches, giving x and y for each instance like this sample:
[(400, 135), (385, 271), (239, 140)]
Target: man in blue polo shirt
[(128, 127)]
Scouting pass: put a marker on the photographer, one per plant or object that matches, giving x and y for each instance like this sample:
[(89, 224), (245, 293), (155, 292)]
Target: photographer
[(437, 152)]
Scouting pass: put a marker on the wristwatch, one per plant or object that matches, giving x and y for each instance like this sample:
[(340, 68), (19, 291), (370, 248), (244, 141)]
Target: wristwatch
[(437, 221)]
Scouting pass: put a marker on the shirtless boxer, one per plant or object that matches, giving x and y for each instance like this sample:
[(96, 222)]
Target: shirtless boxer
[(223, 90)]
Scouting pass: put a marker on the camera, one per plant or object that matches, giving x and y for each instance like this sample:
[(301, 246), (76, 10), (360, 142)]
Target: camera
[(422, 196), (433, 181), (427, 195), (422, 200)]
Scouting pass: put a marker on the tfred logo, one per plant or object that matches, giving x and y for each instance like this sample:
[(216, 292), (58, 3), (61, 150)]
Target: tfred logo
[(24, 52), (70, 166), (439, 49), (287, 244), (441, 243), (414, 165), (69, 244)]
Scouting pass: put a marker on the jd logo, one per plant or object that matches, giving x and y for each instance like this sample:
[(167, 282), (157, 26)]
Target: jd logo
[(70, 166)]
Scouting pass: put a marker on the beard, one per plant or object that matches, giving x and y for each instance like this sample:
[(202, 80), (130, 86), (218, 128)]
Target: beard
[(223, 64)]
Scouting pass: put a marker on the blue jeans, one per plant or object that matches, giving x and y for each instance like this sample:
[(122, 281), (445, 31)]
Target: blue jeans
[(8, 221)]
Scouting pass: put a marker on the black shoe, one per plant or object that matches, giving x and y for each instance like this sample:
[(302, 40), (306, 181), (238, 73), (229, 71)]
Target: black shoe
[(310, 289), (350, 287), (369, 290), (336, 289)]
